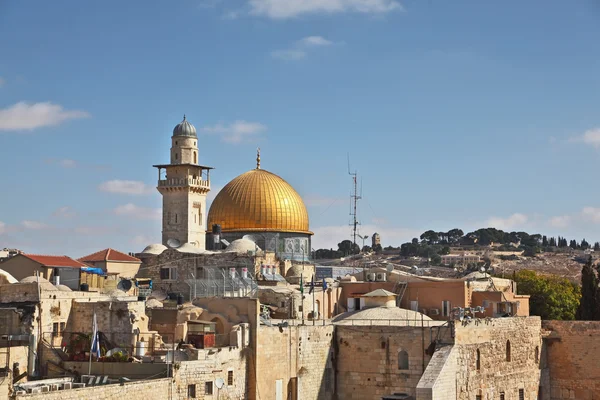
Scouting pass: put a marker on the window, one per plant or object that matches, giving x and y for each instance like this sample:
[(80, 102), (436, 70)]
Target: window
[(168, 273), (191, 392), (508, 350), (478, 360), (445, 308), (195, 158), (176, 156), (175, 218), (208, 388), (229, 378), (478, 397), (282, 304), (176, 142), (402, 360), (501, 395), (55, 327), (414, 305), (521, 394)]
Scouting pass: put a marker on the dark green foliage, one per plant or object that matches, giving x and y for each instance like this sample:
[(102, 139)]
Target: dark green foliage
[(551, 297), (589, 309)]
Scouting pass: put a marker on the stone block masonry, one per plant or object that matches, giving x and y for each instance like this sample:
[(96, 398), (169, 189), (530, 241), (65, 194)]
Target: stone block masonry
[(141, 390), (570, 362)]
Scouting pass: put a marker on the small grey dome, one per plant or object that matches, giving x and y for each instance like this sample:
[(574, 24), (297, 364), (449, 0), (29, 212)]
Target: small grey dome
[(184, 128)]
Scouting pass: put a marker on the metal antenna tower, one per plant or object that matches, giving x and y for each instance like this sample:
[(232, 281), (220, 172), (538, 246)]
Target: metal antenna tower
[(354, 197)]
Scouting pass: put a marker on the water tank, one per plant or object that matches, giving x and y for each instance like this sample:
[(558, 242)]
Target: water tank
[(84, 287), (140, 349)]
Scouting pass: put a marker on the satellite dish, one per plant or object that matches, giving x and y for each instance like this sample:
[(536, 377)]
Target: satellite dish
[(389, 268), (219, 382), (173, 243), (124, 285)]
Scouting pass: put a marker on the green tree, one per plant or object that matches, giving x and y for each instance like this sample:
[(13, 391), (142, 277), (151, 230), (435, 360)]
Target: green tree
[(584, 244), (551, 297), (430, 237), (544, 241), (346, 247), (588, 307), (436, 259), (597, 246)]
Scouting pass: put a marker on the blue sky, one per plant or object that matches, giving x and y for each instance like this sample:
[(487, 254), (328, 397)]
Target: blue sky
[(455, 114)]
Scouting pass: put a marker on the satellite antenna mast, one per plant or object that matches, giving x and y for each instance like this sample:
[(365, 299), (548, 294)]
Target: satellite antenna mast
[(354, 197)]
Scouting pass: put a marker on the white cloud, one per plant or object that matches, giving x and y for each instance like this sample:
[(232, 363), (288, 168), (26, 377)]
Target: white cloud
[(315, 41), (33, 225), (590, 137), (328, 237), (125, 187), (2, 227), (24, 116), (66, 163), (561, 221), (64, 212), (300, 49), (283, 9), (288, 55), (237, 132), (591, 213), (133, 211), (514, 221)]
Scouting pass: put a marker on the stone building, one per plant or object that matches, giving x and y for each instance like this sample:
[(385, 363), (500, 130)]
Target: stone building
[(184, 187), (48, 267), (114, 262)]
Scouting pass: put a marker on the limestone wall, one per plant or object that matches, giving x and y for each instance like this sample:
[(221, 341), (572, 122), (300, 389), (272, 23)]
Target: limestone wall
[(229, 364), (142, 390), (368, 360), (570, 360), (498, 370), (439, 380), (296, 362)]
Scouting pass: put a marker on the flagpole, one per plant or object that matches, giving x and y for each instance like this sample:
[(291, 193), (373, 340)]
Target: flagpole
[(302, 297), (312, 287), (324, 290), (92, 341)]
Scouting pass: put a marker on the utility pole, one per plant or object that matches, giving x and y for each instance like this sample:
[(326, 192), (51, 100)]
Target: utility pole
[(354, 197)]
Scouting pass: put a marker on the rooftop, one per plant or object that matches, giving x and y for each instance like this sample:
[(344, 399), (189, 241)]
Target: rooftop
[(54, 261), (109, 255)]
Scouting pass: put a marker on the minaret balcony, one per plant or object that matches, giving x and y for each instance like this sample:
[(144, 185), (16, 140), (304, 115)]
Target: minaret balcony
[(183, 182)]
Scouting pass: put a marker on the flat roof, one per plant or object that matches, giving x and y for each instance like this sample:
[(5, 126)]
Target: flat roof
[(182, 165)]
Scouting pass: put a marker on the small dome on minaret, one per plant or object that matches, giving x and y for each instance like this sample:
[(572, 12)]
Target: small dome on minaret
[(184, 128)]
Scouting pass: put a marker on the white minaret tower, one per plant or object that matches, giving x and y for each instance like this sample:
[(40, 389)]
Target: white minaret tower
[(184, 187)]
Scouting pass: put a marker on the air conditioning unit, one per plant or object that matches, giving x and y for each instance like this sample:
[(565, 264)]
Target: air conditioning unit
[(371, 277), (434, 311), (381, 277)]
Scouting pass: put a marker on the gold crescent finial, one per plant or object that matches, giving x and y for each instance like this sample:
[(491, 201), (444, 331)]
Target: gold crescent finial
[(258, 158)]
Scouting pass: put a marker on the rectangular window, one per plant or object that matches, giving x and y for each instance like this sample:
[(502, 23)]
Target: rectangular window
[(478, 397), (191, 392), (55, 327), (501, 395), (414, 305), (521, 394), (446, 308), (168, 273), (229, 378), (208, 388)]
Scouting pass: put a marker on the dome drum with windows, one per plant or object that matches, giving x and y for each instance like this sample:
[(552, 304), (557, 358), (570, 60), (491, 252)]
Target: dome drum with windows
[(265, 208)]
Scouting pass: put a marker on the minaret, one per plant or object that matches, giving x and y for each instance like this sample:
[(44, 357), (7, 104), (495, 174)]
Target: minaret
[(184, 187)]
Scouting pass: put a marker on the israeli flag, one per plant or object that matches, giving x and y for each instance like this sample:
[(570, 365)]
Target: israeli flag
[(95, 339)]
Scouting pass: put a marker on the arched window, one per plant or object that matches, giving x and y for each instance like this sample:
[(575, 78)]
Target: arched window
[(176, 156), (195, 158), (175, 218), (478, 360), (537, 354), (508, 350), (402, 359)]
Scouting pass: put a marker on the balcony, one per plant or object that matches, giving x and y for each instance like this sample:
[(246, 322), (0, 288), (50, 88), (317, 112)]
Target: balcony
[(184, 182)]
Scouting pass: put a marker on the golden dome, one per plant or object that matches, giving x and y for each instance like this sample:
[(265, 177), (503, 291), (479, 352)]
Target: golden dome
[(259, 201)]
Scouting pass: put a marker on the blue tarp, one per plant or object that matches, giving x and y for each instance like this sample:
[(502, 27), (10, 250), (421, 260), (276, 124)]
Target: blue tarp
[(90, 270)]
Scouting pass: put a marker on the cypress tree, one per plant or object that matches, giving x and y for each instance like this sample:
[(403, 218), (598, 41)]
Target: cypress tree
[(588, 306)]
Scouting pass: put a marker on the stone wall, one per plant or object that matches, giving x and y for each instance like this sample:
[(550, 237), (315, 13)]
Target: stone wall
[(499, 370), (439, 380), (368, 364), (228, 364), (570, 360), (296, 361), (142, 390)]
